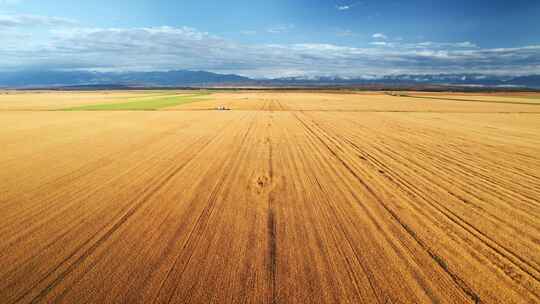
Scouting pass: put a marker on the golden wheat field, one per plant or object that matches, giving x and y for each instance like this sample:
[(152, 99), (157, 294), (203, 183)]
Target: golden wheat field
[(289, 197)]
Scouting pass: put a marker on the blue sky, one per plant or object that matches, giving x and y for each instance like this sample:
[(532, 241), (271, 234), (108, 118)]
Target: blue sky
[(273, 38)]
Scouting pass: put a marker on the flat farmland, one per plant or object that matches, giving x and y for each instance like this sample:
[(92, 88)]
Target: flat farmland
[(289, 197), (59, 100), (366, 102)]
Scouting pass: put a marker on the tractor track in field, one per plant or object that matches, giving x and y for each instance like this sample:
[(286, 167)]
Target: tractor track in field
[(459, 281), (290, 197), (315, 141), (86, 170), (271, 227), (497, 248), (148, 193), (453, 217), (202, 222)]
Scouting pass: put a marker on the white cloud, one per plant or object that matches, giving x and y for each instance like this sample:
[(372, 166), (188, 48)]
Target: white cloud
[(343, 7), (380, 36), (169, 48), (346, 7), (430, 44), (279, 29), (382, 43), (15, 21)]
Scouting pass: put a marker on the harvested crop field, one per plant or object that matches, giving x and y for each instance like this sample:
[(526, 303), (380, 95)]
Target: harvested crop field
[(290, 197)]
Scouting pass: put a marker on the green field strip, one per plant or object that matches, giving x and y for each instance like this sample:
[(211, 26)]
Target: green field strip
[(157, 94), (144, 104)]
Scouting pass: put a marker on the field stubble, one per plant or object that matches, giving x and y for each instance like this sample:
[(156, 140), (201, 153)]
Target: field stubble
[(298, 198)]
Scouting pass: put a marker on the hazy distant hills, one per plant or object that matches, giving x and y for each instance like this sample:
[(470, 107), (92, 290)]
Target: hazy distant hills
[(532, 81), (70, 78), (183, 78)]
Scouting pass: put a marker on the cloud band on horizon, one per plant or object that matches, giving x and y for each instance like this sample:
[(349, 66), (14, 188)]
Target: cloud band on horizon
[(70, 47)]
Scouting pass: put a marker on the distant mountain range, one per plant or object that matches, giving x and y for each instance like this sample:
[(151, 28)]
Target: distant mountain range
[(76, 78), (183, 78), (531, 81)]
